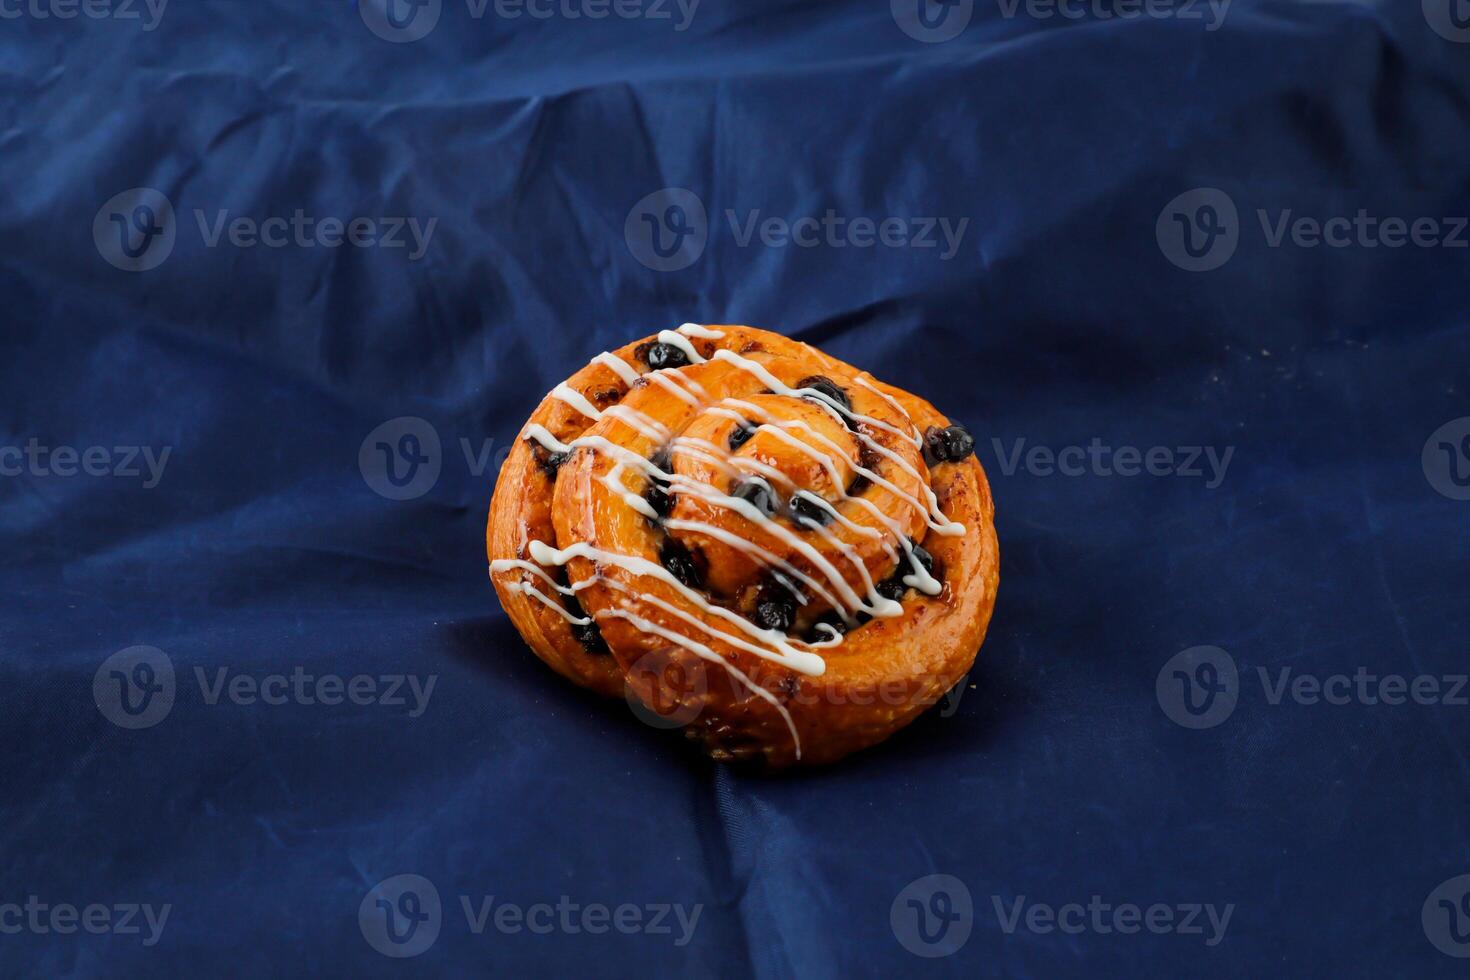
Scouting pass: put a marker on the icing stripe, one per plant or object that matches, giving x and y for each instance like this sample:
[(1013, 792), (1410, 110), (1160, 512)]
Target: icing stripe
[(675, 339), (781, 650), (915, 437), (780, 388), (704, 333), (948, 528), (771, 645), (705, 653), (645, 626), (566, 393), (672, 387), (620, 367)]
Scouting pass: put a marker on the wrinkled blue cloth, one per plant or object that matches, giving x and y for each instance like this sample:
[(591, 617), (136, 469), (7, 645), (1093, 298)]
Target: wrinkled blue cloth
[(282, 281)]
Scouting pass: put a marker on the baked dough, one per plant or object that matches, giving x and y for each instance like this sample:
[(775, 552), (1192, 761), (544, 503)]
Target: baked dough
[(748, 539)]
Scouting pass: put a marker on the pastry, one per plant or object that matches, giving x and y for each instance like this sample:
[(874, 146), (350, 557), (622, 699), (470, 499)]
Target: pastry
[(770, 548)]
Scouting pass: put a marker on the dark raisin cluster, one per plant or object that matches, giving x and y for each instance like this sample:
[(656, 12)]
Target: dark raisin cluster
[(892, 587), (658, 355), (948, 445)]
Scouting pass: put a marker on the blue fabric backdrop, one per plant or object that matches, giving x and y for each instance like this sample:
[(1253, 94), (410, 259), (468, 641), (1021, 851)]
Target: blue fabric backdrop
[(195, 394)]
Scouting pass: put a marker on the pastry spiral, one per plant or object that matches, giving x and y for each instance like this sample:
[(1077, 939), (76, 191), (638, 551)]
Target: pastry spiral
[(768, 546)]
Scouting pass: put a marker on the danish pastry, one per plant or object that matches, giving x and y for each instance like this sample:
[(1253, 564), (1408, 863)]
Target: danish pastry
[(773, 549)]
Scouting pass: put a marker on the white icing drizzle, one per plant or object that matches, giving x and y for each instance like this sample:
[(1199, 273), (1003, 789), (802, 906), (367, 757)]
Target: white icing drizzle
[(662, 379), (771, 645), (732, 466), (642, 423), (620, 367), (847, 550), (834, 639), (915, 437), (781, 651), (613, 480), (527, 588), (508, 564), (646, 626), (647, 426), (539, 432), (874, 603), (850, 603), (675, 339), (771, 381), (705, 653), (702, 332), (761, 555), (945, 525), (827, 462), (948, 528), (566, 393)]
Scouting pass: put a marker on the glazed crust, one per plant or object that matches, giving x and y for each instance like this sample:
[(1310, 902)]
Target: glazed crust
[(672, 654)]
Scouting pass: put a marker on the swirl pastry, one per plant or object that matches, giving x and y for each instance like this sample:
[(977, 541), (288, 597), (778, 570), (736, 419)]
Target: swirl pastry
[(737, 532)]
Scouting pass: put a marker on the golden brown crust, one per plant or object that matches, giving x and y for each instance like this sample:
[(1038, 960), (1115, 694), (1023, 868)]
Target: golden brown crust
[(689, 664)]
